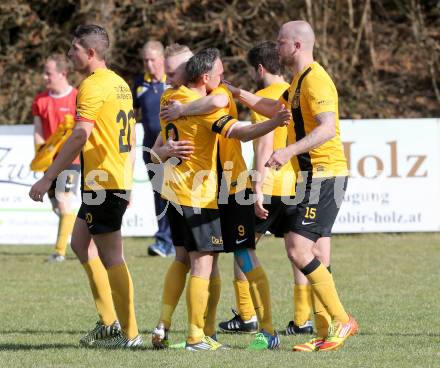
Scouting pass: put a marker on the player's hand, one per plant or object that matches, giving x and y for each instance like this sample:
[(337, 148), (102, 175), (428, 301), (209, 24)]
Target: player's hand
[(283, 116), (260, 211), (179, 149), (39, 189), (278, 159), (172, 111), (234, 90)]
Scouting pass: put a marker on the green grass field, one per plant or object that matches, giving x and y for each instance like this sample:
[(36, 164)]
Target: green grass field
[(390, 283)]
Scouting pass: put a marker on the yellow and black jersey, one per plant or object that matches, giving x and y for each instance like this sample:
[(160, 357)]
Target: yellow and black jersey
[(105, 100), (193, 182), (313, 92), (283, 181), (233, 167)]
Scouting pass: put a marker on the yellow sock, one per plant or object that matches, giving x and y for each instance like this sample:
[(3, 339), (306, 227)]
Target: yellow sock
[(101, 291), (260, 292), (196, 299), (325, 289), (302, 301), (322, 318), (123, 298), (65, 227), (214, 290), (173, 286), (244, 300)]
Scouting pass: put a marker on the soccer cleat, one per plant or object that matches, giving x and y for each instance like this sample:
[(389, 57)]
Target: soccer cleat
[(162, 249), (56, 258), (237, 325), (99, 332), (206, 344), (337, 334), (305, 329), (264, 340), (151, 251), (118, 341), (309, 346), (179, 345), (355, 326), (159, 338)]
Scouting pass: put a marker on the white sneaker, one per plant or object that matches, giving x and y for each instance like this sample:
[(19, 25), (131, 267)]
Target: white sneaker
[(56, 258)]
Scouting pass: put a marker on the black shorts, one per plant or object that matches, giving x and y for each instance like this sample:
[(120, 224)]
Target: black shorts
[(67, 181), (282, 213), (317, 211), (238, 222), (197, 229), (103, 210)]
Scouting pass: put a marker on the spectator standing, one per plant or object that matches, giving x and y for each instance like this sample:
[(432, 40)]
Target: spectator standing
[(147, 91)]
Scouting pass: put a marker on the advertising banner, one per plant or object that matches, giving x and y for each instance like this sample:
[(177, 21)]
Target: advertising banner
[(394, 184), (23, 221)]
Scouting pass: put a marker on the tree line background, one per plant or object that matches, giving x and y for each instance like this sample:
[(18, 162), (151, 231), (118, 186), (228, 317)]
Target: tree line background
[(382, 55)]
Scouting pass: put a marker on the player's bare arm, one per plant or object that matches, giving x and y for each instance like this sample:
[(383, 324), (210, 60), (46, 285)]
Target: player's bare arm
[(262, 105), (70, 150), (204, 105), (246, 132), (325, 131), (162, 151), (38, 132), (263, 151)]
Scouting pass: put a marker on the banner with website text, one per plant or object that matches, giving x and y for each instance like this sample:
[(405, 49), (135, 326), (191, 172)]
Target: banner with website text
[(394, 184)]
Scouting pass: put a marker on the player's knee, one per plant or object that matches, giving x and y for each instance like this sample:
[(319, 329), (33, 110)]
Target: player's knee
[(182, 256), (244, 260), (291, 255)]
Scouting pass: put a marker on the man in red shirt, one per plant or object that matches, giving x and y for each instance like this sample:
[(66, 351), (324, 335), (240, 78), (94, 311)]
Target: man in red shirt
[(49, 110)]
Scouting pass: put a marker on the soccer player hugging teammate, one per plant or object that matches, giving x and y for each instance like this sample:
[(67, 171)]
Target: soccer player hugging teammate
[(317, 155), (104, 134), (191, 186), (275, 189)]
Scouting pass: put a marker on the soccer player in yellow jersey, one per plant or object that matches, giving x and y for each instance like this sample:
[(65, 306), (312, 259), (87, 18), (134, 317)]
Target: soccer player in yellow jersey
[(237, 220), (274, 190), (191, 187), (316, 152), (176, 57), (104, 134)]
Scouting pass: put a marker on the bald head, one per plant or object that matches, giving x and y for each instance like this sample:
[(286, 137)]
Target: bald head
[(295, 41), (299, 30)]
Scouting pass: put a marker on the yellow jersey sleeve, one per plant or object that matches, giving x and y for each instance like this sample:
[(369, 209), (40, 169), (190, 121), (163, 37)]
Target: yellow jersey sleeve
[(89, 101), (219, 121), (321, 95), (222, 89)]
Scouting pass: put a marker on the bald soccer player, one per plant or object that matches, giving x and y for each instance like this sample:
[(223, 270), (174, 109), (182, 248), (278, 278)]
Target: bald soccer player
[(316, 152)]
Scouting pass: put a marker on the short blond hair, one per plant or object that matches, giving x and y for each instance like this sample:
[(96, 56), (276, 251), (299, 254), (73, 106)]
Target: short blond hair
[(176, 49), (153, 45), (61, 62)]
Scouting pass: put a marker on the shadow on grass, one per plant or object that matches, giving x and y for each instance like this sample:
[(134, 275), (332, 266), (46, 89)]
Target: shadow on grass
[(21, 347), (401, 334), (24, 254), (43, 332), (149, 331)]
